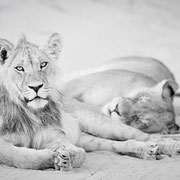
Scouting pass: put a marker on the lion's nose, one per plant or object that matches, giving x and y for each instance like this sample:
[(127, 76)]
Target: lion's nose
[(36, 88)]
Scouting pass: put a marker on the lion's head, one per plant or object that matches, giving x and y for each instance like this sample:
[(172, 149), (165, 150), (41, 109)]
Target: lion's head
[(27, 71), (151, 109), (29, 98)]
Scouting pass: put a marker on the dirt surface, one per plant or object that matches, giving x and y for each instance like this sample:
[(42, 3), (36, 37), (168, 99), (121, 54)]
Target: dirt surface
[(105, 166), (94, 31)]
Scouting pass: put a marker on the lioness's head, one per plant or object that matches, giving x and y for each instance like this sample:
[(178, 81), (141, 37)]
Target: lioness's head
[(27, 71), (150, 110)]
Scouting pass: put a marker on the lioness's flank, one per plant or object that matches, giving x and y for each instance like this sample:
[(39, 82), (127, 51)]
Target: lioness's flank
[(140, 90), (40, 128)]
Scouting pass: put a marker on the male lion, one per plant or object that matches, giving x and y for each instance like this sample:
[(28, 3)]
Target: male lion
[(140, 90), (40, 128)]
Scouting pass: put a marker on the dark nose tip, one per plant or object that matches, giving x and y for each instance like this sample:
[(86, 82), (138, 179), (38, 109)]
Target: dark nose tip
[(36, 88)]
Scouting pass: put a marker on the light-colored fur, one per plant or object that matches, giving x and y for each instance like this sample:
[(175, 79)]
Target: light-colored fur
[(139, 89), (40, 128)]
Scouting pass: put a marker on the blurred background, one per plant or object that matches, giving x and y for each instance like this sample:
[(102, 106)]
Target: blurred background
[(95, 31)]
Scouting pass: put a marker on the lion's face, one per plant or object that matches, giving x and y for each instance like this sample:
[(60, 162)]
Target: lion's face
[(148, 110), (30, 72)]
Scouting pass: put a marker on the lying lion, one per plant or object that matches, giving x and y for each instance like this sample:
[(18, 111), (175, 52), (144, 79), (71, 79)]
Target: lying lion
[(140, 90), (40, 128)]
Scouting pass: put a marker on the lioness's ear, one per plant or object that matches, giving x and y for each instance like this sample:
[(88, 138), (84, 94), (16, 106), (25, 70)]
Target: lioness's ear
[(166, 88), (54, 46), (5, 49)]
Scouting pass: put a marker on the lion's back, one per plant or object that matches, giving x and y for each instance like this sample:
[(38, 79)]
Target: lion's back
[(144, 65)]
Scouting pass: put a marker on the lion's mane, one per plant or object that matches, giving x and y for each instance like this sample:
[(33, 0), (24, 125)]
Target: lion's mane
[(19, 118)]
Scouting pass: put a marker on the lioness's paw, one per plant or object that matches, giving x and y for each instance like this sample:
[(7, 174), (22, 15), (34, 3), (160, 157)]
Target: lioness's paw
[(170, 147), (149, 151), (111, 106)]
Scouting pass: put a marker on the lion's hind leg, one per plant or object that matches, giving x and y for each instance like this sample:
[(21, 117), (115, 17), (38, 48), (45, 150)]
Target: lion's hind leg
[(143, 150)]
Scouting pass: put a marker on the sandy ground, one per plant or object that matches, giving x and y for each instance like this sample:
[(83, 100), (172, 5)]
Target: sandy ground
[(94, 31)]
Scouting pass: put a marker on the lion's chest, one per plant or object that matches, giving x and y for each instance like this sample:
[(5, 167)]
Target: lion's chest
[(71, 127)]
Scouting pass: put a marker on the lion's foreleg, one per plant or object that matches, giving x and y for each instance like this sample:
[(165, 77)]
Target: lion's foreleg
[(98, 124), (168, 144), (147, 150), (25, 158)]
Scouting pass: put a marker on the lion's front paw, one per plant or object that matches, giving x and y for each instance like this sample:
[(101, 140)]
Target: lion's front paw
[(149, 151), (111, 106), (169, 147), (78, 157), (62, 160), (69, 157)]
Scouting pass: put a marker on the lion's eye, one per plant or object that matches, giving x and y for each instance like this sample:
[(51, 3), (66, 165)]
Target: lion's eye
[(43, 64), (19, 68)]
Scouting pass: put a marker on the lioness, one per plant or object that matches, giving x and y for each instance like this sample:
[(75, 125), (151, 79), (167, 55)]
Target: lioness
[(40, 128), (140, 90)]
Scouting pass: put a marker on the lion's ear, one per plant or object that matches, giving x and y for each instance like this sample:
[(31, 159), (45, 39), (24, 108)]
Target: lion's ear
[(166, 88), (5, 50), (54, 46)]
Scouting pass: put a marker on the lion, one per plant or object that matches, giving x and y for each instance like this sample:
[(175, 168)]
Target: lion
[(41, 128), (140, 91)]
